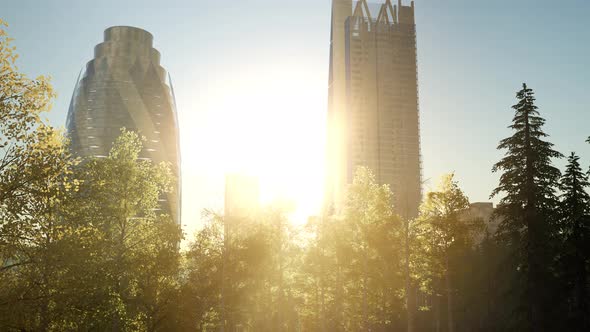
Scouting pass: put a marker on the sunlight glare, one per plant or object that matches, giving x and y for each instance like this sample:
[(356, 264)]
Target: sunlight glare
[(267, 122)]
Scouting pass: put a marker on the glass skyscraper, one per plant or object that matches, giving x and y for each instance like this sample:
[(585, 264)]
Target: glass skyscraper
[(125, 86)]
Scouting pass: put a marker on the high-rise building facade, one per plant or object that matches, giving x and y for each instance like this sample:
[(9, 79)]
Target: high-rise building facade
[(373, 117), (242, 196), (125, 86)]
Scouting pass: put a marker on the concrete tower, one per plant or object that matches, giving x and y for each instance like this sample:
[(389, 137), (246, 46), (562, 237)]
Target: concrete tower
[(378, 126), (125, 86), (242, 196), (336, 176)]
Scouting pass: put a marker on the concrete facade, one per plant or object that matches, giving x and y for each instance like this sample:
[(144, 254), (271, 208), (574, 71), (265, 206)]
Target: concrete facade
[(242, 196), (125, 86), (373, 101)]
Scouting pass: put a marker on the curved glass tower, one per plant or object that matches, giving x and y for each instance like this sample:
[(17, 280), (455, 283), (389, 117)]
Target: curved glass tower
[(125, 86)]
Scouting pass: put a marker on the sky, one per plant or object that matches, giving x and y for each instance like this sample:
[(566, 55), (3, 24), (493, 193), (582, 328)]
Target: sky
[(251, 77)]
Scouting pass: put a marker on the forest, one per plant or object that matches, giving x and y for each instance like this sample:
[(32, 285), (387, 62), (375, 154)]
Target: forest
[(84, 246)]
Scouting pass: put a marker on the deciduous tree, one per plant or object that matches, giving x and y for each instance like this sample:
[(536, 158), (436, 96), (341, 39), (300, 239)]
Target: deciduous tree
[(445, 227)]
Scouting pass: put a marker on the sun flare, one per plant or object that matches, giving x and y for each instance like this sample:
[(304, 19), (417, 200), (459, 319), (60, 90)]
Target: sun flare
[(267, 123)]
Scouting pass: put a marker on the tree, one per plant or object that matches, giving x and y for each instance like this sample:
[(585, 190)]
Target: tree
[(127, 244), (82, 246), (200, 303), (35, 178), (316, 277), (575, 230), (529, 182), (445, 228), (39, 254), (352, 271), (243, 276), (23, 139), (371, 256)]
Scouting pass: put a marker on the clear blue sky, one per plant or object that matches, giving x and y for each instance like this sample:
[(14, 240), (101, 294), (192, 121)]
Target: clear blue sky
[(473, 56)]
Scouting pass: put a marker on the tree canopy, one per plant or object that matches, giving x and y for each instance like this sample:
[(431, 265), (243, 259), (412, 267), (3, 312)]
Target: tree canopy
[(87, 244)]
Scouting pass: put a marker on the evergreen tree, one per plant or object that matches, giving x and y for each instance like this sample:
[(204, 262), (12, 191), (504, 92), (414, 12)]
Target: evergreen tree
[(527, 209), (575, 230)]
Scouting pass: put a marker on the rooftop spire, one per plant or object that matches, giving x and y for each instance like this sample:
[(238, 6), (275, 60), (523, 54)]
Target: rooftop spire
[(362, 7), (387, 13), (383, 17), (392, 11)]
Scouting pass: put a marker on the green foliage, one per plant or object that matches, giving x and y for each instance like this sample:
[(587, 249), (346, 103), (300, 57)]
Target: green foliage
[(573, 258), (241, 272), (443, 224), (122, 236), (86, 244), (36, 176), (371, 257), (528, 176), (30, 152), (354, 264), (442, 218), (93, 250), (528, 209), (575, 198), (260, 273), (446, 233)]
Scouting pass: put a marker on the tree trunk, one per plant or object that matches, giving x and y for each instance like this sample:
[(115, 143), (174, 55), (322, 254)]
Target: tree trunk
[(449, 296), (409, 302), (281, 300), (321, 313), (45, 289), (437, 313), (224, 254), (365, 304), (582, 280), (537, 281), (339, 297), (533, 275)]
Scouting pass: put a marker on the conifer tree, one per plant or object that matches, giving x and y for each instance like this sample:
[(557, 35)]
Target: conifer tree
[(527, 210), (575, 229)]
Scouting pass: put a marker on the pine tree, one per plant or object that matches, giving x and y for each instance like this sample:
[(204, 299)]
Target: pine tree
[(529, 182), (576, 232)]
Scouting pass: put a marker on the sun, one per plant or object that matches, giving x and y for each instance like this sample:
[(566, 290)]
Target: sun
[(265, 121)]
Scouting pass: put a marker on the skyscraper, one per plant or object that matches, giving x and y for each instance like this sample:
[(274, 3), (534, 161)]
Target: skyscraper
[(242, 196), (373, 117), (125, 86)]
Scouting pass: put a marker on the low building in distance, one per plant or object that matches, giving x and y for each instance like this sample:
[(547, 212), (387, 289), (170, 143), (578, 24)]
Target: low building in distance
[(484, 211)]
